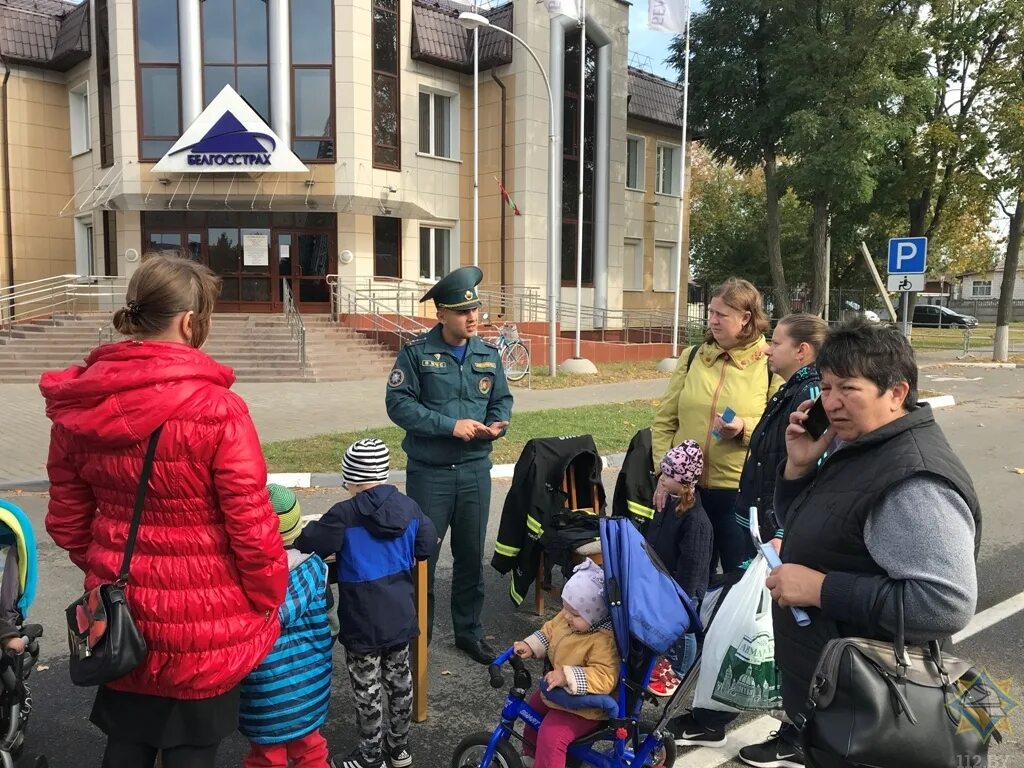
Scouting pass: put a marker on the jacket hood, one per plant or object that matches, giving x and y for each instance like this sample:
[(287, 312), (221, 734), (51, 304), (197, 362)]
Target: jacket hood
[(382, 519), (124, 391)]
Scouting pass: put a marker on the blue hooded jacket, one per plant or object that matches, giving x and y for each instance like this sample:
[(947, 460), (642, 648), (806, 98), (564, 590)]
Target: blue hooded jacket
[(377, 535)]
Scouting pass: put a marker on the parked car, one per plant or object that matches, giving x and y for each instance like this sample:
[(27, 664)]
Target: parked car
[(934, 316), (853, 308)]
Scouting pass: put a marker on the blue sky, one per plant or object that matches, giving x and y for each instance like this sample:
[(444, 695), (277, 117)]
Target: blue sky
[(653, 45)]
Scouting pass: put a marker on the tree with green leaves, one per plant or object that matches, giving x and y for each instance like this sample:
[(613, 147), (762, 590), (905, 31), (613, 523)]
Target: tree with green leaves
[(737, 109)]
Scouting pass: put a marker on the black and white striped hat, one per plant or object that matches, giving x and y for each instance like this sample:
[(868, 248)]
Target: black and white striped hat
[(366, 461)]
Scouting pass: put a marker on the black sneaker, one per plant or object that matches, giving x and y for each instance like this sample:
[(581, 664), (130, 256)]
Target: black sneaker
[(358, 760), (399, 757), (690, 733), (774, 753)]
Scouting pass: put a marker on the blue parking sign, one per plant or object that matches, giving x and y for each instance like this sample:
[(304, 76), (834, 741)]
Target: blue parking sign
[(908, 255)]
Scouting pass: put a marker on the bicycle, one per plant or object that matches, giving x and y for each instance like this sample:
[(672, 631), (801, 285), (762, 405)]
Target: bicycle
[(515, 357)]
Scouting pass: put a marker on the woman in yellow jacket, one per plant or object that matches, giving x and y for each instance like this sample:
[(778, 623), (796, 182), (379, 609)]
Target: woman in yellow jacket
[(730, 370)]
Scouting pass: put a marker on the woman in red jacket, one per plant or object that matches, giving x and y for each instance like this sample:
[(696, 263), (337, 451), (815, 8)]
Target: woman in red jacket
[(209, 570)]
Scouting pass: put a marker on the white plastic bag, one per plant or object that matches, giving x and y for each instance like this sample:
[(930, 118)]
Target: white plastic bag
[(737, 669)]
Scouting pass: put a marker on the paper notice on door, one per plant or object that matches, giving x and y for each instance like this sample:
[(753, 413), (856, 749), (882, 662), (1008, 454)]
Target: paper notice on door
[(283, 251), (255, 250)]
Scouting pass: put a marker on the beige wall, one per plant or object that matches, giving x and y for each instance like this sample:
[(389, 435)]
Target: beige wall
[(41, 181), (654, 219)]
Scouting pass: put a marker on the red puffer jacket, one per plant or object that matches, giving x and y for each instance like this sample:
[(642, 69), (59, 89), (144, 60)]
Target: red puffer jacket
[(209, 570)]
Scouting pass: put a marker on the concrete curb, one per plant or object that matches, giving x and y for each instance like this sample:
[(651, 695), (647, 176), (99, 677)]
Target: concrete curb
[(333, 479), (962, 364)]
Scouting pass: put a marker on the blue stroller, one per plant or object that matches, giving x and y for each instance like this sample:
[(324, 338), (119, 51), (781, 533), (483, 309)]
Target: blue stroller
[(17, 591), (637, 587)]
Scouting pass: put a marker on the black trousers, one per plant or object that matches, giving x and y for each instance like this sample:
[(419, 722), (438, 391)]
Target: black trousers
[(123, 754)]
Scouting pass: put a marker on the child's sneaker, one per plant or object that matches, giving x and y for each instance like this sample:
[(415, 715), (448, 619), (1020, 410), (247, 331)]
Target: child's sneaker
[(663, 680), (356, 759), (399, 757)]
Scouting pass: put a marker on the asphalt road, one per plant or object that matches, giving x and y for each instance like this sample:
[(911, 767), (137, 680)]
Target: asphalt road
[(987, 430)]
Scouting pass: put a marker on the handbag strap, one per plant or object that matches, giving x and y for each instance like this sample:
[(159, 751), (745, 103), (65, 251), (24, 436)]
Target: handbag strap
[(140, 498)]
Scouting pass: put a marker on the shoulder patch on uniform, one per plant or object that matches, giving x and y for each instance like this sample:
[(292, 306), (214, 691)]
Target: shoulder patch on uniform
[(417, 340), (396, 377), (489, 343)]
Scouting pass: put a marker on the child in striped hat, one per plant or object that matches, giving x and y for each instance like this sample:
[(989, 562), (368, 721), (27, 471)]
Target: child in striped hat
[(300, 660), (377, 535)]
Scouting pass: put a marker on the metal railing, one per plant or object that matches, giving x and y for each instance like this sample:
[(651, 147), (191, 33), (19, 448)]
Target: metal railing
[(61, 294), (295, 324), (379, 312)]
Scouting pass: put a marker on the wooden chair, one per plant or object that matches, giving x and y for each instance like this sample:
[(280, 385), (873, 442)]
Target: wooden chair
[(571, 491)]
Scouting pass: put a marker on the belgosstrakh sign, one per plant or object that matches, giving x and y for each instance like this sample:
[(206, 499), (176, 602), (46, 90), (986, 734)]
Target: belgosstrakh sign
[(229, 136)]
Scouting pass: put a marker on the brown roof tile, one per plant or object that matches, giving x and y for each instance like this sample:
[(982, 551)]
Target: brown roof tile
[(45, 33), (438, 38), (654, 98)]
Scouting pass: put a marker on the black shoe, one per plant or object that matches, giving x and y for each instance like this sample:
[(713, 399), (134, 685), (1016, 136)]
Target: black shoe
[(478, 650), (689, 733), (777, 752), (398, 757), (357, 759)]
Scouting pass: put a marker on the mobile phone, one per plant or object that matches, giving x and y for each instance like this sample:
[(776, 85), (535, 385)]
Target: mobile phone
[(817, 420)]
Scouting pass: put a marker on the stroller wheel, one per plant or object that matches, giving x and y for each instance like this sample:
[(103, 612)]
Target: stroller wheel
[(665, 755), (470, 753)]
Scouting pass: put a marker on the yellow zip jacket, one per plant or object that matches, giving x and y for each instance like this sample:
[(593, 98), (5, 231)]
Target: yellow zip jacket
[(737, 379)]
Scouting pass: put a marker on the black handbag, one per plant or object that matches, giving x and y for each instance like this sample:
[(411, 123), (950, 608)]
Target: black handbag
[(885, 705), (105, 643)]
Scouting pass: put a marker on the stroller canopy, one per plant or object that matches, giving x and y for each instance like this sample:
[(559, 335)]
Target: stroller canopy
[(18, 587), (646, 603)]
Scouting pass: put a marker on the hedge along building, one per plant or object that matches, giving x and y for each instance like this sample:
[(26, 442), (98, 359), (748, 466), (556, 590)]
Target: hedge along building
[(282, 141)]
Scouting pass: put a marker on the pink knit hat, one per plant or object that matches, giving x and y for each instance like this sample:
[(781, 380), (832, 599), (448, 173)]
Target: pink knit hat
[(684, 463)]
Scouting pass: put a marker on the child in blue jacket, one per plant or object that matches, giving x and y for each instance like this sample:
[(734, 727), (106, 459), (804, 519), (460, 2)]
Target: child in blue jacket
[(377, 535), (284, 700)]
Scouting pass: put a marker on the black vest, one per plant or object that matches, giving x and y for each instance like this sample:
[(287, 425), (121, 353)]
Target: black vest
[(825, 528)]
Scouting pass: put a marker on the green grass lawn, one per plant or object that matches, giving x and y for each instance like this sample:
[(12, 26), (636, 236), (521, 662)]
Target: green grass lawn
[(607, 373), (953, 338), (611, 425)]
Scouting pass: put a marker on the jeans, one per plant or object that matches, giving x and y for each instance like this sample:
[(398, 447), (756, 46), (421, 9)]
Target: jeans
[(682, 654), (732, 545)]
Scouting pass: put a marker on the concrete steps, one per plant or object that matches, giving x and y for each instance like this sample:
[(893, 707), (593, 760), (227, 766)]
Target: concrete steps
[(259, 347)]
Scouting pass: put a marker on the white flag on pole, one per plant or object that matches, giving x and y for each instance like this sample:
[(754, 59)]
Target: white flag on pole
[(667, 16), (562, 8)]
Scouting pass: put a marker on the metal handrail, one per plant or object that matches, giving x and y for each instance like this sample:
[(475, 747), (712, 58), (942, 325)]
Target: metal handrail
[(347, 301), (53, 295), (295, 324)]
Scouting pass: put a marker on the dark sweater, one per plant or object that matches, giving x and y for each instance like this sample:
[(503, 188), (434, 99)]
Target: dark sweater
[(684, 545)]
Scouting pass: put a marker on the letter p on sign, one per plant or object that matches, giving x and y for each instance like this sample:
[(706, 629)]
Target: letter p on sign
[(908, 255)]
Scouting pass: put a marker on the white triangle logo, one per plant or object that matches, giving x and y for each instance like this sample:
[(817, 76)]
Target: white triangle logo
[(229, 137)]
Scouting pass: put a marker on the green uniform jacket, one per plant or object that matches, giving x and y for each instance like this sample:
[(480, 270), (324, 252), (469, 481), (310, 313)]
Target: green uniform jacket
[(428, 391)]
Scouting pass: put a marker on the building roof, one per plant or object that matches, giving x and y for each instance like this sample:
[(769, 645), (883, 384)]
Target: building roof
[(49, 34), (654, 98), (438, 37)]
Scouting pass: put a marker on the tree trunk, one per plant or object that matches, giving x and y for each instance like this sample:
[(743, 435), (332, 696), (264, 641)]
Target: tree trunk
[(1004, 314), (819, 239), (774, 226)]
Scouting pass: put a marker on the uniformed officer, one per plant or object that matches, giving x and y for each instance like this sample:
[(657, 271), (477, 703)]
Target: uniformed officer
[(449, 393)]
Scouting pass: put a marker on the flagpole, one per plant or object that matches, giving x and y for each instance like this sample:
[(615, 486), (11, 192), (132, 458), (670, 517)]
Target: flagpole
[(684, 192), (582, 9), (476, 144)]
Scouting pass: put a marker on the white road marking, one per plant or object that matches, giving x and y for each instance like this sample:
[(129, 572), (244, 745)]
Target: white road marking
[(757, 730)]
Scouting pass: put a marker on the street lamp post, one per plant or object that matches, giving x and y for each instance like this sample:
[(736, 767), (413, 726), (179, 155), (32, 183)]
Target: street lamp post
[(475, 21)]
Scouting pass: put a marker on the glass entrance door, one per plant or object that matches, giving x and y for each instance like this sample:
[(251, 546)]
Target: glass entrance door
[(304, 259)]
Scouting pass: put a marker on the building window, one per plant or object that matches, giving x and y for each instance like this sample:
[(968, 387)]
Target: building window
[(435, 252), (981, 288), (387, 246), (668, 170), (664, 267), (633, 265), (106, 94), (436, 124), (386, 113), (83, 246), (635, 151), (78, 117), (235, 45), (109, 243), (156, 37), (312, 44)]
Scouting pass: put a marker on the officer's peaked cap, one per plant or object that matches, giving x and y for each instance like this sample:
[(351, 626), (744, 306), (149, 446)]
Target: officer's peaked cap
[(457, 289)]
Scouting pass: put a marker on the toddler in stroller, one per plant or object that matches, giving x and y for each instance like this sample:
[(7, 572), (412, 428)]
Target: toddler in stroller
[(19, 646), (636, 588)]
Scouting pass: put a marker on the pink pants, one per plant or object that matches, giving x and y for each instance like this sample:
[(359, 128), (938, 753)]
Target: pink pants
[(557, 732), (310, 751)]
